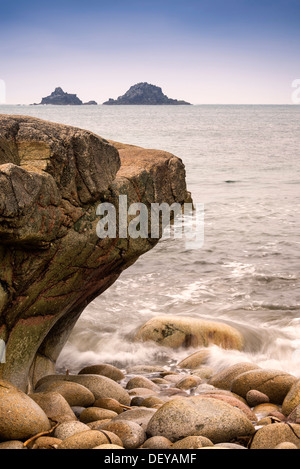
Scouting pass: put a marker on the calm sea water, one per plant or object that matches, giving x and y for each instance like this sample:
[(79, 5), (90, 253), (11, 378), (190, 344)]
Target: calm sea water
[(243, 163)]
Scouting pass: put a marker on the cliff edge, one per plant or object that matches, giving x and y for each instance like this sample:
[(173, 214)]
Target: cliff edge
[(52, 179)]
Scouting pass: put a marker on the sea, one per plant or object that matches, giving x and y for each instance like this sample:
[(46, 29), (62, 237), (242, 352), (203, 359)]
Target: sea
[(243, 164)]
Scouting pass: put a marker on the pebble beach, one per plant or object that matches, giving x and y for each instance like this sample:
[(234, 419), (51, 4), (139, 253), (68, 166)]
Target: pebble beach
[(188, 406)]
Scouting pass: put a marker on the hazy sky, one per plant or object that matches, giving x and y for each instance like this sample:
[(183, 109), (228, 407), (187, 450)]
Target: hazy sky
[(202, 51)]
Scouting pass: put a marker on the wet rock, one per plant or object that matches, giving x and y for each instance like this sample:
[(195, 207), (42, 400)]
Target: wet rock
[(275, 384), (130, 433), (225, 378), (270, 436), (84, 440), (74, 393), (192, 442), (199, 416), (264, 410), (107, 370), (254, 398), (205, 372), (292, 399), (175, 332), (195, 360), (53, 404), (50, 228), (20, 416), (67, 429), (144, 369), (92, 414), (189, 382)]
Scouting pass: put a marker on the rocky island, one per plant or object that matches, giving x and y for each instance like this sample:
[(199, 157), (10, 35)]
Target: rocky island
[(144, 94), (60, 98)]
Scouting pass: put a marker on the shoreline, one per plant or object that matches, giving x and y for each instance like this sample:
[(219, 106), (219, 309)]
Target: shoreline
[(187, 407)]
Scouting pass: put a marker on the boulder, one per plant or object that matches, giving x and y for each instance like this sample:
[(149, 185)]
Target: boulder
[(141, 382), (157, 442), (20, 416), (54, 405), (100, 386), (130, 433), (275, 384), (225, 378), (75, 394), (53, 178), (176, 331), (192, 442), (67, 429), (270, 436), (107, 370), (13, 444), (140, 415), (195, 360), (84, 440), (199, 416), (255, 398), (92, 414), (292, 399)]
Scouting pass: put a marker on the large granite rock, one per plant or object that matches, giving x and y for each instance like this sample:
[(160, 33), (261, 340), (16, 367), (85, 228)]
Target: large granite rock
[(143, 93), (52, 263)]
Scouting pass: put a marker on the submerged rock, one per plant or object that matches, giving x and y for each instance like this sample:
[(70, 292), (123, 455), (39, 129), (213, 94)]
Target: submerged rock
[(175, 332)]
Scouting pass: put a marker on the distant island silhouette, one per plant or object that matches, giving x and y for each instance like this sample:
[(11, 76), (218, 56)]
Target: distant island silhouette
[(145, 94), (60, 98)]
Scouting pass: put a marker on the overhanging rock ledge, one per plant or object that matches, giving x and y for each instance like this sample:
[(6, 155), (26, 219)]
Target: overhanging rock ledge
[(52, 263)]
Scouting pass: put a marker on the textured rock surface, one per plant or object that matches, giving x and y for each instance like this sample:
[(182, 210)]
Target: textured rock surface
[(175, 332), (199, 416), (20, 416), (60, 98), (144, 94), (52, 263)]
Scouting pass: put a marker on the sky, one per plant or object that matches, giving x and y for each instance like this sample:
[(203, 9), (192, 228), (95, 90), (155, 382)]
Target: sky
[(201, 51)]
